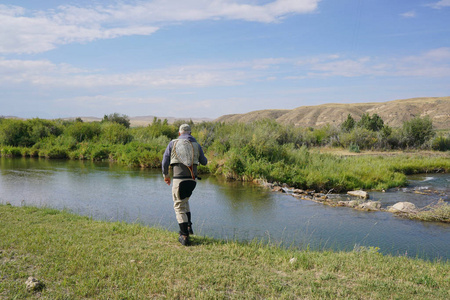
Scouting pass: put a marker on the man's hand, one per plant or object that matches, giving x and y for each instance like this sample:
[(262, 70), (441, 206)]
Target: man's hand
[(167, 180)]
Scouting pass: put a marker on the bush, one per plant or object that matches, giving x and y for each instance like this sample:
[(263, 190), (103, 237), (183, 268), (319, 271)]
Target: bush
[(114, 133), (100, 153), (81, 131), (354, 148), (14, 133), (416, 132), (441, 143), (117, 118), (8, 151), (56, 152), (361, 137), (39, 129)]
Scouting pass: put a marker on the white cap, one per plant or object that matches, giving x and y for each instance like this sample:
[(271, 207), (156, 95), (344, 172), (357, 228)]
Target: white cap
[(185, 128)]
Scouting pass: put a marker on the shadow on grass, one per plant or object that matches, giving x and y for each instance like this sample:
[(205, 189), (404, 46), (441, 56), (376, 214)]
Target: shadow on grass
[(196, 240)]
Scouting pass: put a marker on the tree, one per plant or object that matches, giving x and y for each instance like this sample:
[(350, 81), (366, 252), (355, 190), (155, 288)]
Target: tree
[(117, 118), (14, 133), (374, 123), (348, 124)]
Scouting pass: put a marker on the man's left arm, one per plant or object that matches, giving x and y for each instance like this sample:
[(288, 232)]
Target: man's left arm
[(201, 157)]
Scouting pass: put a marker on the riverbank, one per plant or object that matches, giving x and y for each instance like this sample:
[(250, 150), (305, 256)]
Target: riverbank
[(264, 150), (77, 257)]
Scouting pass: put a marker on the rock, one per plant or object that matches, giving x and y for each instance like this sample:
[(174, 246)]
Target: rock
[(370, 206), (299, 191), (406, 207), (352, 203), (320, 197), (287, 190), (360, 194), (33, 284), (277, 189)]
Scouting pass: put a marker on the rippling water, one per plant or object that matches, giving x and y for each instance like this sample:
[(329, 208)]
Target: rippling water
[(227, 210)]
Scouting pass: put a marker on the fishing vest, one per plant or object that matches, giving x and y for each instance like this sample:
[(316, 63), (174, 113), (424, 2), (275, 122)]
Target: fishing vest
[(173, 156)]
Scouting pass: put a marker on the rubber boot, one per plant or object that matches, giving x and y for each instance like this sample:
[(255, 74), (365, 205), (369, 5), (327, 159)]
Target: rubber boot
[(184, 234), (189, 223)]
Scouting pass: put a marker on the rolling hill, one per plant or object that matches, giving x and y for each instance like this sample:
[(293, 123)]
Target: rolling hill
[(394, 113)]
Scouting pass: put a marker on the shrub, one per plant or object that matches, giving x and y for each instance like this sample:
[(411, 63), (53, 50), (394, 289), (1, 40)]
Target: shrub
[(417, 131), (9, 151), (117, 118), (441, 143), (39, 128), (114, 133), (354, 148), (100, 153), (14, 133), (81, 131), (234, 166), (361, 137), (57, 152)]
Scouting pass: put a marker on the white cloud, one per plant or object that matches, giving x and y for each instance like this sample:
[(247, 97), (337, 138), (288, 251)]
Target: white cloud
[(440, 4), (434, 63), (25, 31), (409, 14), (345, 68), (47, 75), (100, 100)]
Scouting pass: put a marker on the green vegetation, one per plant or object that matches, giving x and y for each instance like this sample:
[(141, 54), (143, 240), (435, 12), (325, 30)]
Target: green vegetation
[(439, 212), (78, 258), (262, 150)]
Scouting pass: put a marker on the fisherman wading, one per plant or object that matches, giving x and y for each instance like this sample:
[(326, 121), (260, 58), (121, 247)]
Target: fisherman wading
[(183, 155)]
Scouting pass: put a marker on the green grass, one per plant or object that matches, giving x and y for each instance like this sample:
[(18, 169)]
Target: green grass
[(439, 212), (79, 258)]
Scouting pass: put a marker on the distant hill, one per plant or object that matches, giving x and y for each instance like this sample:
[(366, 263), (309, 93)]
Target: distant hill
[(144, 120), (393, 113), (134, 121)]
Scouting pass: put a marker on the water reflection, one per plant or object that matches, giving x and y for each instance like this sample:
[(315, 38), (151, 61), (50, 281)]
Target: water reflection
[(228, 210)]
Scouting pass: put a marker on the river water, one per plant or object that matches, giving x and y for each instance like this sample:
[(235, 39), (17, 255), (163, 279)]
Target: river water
[(228, 210)]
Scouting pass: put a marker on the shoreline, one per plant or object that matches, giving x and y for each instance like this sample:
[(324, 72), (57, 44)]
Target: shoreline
[(361, 201)]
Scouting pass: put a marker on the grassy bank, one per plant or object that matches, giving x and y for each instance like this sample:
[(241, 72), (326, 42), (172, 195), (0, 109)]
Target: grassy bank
[(260, 150), (76, 257), (309, 169)]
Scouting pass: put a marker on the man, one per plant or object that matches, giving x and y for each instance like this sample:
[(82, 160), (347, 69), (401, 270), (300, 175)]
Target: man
[(184, 175)]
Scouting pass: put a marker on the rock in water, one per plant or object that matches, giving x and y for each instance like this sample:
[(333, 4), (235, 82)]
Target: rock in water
[(370, 206), (406, 207), (360, 194)]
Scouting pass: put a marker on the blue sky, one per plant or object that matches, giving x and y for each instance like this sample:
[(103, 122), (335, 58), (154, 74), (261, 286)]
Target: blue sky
[(207, 58)]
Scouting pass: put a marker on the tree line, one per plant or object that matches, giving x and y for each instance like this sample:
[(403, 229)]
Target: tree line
[(369, 133), (263, 149)]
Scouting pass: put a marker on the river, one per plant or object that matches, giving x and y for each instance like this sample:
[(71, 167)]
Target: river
[(227, 210)]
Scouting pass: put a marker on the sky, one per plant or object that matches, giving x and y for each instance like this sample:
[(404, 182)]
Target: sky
[(208, 58)]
